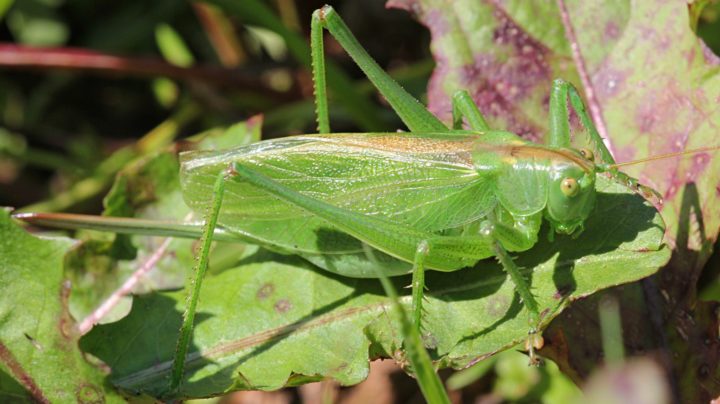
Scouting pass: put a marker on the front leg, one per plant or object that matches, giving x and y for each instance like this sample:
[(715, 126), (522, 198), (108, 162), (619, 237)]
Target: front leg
[(464, 106), (518, 234), (497, 234), (535, 339), (559, 135), (418, 284)]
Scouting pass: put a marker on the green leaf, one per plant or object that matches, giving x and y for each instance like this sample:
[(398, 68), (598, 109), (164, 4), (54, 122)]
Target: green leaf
[(275, 320), (518, 382), (38, 340), (4, 6), (36, 23), (172, 46)]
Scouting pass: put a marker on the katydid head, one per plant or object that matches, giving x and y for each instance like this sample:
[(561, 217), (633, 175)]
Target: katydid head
[(571, 197)]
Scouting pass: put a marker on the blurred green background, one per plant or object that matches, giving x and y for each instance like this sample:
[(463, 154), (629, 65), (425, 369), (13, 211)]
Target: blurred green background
[(59, 125)]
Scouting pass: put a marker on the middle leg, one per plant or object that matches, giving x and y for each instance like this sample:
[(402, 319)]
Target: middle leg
[(464, 106)]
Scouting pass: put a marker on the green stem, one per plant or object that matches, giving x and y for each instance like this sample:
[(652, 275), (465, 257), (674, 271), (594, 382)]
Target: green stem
[(428, 380), (611, 329)]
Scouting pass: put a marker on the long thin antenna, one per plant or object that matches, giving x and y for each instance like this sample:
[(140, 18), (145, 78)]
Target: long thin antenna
[(664, 156)]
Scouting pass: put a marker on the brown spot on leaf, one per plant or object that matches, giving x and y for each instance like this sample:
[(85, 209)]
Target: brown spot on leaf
[(609, 82), (283, 306), (699, 163), (89, 394), (265, 291), (430, 340), (66, 325), (646, 118), (497, 305), (499, 85), (672, 190), (612, 31), (526, 66)]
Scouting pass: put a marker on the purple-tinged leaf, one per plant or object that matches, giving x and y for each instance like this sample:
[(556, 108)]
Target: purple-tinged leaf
[(652, 88), (505, 57)]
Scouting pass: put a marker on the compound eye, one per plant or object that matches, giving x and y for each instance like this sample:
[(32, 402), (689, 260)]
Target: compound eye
[(588, 154), (569, 187)]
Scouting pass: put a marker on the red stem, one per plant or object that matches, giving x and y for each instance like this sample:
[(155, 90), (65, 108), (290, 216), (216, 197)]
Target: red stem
[(78, 59), (88, 322)]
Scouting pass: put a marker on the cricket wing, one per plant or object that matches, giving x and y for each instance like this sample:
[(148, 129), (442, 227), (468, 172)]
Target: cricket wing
[(418, 180)]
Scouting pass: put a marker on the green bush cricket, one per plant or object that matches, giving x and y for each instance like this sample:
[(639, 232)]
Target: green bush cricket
[(434, 198)]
